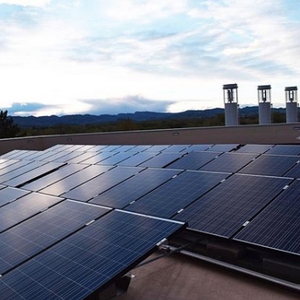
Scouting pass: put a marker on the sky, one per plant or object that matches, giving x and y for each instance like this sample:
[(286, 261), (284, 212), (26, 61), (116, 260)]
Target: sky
[(60, 57)]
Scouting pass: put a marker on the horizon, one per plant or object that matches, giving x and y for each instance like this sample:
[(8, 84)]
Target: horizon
[(62, 57)]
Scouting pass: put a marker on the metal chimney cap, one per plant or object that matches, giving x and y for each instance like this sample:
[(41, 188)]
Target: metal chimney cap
[(230, 86), (291, 88), (263, 87)]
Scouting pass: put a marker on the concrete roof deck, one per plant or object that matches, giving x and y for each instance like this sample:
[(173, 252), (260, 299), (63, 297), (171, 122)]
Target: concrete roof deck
[(179, 277)]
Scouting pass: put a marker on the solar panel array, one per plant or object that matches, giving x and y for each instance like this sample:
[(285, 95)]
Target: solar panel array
[(73, 218)]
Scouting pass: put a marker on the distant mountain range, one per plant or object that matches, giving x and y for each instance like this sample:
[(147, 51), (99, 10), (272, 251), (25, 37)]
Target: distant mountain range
[(47, 121)]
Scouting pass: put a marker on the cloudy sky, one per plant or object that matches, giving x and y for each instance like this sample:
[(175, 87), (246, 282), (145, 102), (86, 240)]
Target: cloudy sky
[(98, 56)]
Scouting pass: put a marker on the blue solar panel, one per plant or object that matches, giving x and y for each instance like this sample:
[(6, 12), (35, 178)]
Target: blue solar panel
[(174, 195), (24, 207), (74, 180), (26, 167), (9, 194), (193, 160), (117, 158), (272, 165), (278, 225), (88, 260), (4, 163), (49, 179), (134, 188), (229, 162), (197, 148), (99, 184), (32, 236), (223, 147), (157, 148), (34, 173), (285, 150), (225, 209), (253, 148), (161, 160), (98, 157), (11, 166), (176, 148), (294, 172), (137, 159)]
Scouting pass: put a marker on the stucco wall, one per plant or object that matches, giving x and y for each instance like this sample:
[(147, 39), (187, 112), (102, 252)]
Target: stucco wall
[(247, 134)]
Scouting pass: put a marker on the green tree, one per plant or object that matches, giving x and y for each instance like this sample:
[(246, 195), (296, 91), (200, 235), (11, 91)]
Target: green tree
[(7, 127)]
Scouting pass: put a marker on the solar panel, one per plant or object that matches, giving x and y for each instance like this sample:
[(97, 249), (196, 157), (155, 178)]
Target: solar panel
[(49, 179), (23, 167), (83, 156), (176, 148), (272, 165), (294, 172), (193, 160), (157, 148), (229, 162), (225, 209), (197, 148), (174, 195), (110, 148), (285, 150), (99, 184), (140, 148), (9, 194), (74, 180), (10, 166), (134, 188), (32, 236), (34, 173), (223, 147), (98, 157), (87, 261), (161, 160), (137, 159), (24, 207), (277, 226), (254, 148), (66, 157), (4, 163), (10, 154), (117, 158)]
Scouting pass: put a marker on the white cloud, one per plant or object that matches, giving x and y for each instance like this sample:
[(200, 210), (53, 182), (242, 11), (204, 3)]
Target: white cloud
[(37, 3)]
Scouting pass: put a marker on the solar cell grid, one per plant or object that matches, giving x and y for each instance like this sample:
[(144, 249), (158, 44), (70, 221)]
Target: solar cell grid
[(99, 184), (176, 148), (161, 160), (25, 240), (253, 148), (23, 208), (51, 178), (4, 163), (225, 209), (9, 194), (74, 180), (140, 148), (98, 157), (67, 157), (110, 148), (134, 188), (18, 169), (34, 173), (197, 148), (174, 195), (10, 154), (223, 147), (278, 225), (229, 162), (294, 172), (81, 157), (285, 150), (137, 159), (157, 148), (11, 166), (117, 158), (193, 160), (87, 260), (271, 165)]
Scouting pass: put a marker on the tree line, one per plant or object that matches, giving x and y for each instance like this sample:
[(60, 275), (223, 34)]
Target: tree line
[(9, 129)]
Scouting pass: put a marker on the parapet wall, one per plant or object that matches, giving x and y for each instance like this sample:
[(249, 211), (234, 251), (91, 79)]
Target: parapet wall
[(245, 134)]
